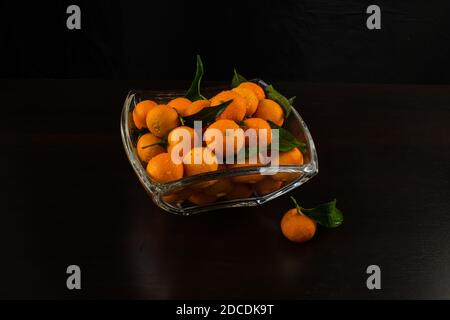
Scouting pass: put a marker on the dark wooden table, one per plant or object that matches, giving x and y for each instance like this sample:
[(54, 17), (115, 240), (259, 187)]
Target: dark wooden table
[(69, 196)]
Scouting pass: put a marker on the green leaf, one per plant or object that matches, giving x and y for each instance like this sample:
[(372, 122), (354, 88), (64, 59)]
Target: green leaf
[(135, 132), (207, 115), (181, 119), (280, 99), (193, 93), (254, 151), (237, 79), (287, 141), (326, 214), (163, 142)]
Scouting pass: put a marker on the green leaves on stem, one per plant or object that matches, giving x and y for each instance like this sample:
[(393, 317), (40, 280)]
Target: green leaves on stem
[(207, 115), (287, 141), (163, 143), (237, 79), (284, 102), (326, 214), (193, 93)]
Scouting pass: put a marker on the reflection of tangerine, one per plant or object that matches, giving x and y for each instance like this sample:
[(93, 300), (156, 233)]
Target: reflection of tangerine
[(162, 169), (257, 90), (250, 98), (177, 197), (140, 113), (161, 119), (271, 111), (201, 199), (224, 127), (219, 189), (297, 227), (147, 153), (181, 105), (267, 185), (240, 191), (236, 110)]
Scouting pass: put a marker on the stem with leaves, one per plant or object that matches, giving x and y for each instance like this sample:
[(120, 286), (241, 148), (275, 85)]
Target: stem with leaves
[(193, 92), (326, 214)]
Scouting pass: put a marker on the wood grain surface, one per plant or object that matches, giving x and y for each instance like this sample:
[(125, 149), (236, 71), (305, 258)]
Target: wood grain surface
[(69, 196)]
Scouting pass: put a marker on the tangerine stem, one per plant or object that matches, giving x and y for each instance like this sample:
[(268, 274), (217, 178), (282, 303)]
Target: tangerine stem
[(297, 205)]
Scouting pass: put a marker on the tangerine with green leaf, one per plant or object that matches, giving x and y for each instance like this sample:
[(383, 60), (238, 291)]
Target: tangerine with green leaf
[(149, 146), (236, 110), (196, 106)]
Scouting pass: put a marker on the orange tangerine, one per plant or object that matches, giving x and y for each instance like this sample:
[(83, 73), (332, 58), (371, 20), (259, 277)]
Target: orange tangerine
[(261, 127), (181, 105), (162, 169), (196, 106), (140, 113), (270, 110), (161, 120), (236, 110), (293, 157), (176, 143), (250, 98), (257, 90), (199, 160), (229, 132), (145, 152), (178, 134), (297, 227)]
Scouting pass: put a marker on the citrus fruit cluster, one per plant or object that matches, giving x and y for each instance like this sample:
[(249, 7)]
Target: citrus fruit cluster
[(245, 107)]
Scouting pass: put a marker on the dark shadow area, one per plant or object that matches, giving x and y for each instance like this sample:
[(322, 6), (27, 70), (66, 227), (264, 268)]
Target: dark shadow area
[(318, 41)]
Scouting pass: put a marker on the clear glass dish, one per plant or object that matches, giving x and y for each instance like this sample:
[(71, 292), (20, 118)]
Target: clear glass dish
[(161, 193)]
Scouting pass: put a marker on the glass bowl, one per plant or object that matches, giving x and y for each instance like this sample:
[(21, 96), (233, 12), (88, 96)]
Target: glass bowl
[(173, 196)]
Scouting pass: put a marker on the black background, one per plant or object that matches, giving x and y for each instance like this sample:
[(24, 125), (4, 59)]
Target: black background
[(310, 40), (69, 195)]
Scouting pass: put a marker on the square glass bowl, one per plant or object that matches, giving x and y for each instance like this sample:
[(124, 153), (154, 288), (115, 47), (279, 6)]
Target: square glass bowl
[(173, 196)]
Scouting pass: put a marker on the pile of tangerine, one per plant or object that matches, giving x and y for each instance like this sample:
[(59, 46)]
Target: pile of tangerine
[(249, 109)]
